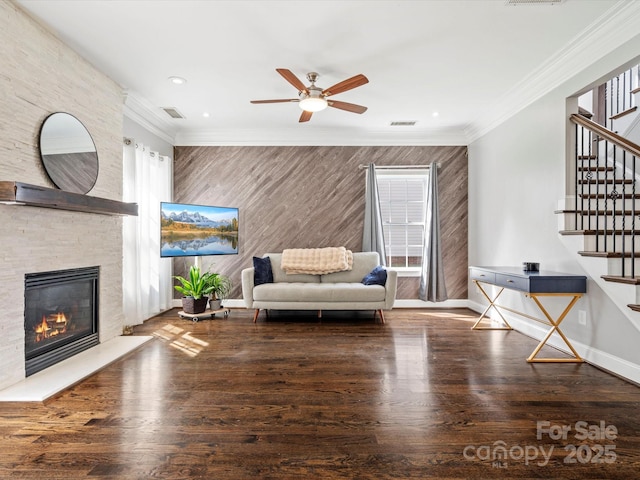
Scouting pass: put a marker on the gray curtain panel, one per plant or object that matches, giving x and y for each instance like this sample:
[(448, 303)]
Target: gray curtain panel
[(373, 236), (432, 287)]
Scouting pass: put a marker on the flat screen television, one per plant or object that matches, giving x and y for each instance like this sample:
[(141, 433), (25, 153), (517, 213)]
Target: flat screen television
[(195, 230)]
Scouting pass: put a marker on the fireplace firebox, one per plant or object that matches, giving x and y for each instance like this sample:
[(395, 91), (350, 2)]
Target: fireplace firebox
[(60, 315)]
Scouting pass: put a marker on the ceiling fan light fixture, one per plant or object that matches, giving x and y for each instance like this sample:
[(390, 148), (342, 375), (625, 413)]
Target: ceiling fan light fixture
[(313, 99), (313, 104)]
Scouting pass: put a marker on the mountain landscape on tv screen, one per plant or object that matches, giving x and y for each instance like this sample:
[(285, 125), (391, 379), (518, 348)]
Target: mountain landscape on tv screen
[(197, 219), (195, 233)]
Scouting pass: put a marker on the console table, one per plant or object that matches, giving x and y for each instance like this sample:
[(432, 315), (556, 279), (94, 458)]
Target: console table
[(534, 285)]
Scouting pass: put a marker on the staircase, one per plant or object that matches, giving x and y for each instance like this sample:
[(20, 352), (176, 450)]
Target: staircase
[(602, 221)]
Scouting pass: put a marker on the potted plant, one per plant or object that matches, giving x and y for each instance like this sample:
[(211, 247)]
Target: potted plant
[(195, 290), (220, 288)]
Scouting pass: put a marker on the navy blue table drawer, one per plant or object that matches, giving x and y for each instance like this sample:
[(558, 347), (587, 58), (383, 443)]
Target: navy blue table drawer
[(513, 282), (482, 275)]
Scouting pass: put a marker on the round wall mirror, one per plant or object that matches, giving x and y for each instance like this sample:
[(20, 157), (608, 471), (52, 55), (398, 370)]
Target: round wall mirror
[(68, 153)]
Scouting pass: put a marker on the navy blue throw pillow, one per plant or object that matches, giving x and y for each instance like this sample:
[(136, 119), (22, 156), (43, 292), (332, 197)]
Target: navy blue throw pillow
[(377, 276), (263, 272)]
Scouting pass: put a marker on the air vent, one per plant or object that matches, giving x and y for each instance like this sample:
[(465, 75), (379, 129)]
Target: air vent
[(403, 124), (173, 112), (533, 2)]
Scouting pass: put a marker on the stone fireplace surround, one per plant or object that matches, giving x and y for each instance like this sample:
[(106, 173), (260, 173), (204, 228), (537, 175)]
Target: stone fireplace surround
[(39, 240), (36, 239)]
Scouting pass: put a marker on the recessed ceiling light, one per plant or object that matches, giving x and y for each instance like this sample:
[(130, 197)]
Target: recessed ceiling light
[(206, 114), (435, 114), (177, 80)]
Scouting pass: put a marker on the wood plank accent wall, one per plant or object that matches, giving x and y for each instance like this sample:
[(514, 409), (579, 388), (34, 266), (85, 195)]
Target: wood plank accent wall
[(305, 196)]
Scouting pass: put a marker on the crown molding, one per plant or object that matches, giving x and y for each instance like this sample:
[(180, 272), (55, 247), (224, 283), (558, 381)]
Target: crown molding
[(146, 115), (614, 28), (321, 137)]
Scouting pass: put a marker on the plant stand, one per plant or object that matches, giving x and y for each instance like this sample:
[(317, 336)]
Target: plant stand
[(204, 315)]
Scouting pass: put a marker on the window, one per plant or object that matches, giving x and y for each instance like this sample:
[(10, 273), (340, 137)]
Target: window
[(402, 203)]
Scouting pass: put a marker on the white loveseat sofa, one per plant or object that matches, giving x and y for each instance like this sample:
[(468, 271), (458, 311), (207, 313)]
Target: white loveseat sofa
[(333, 291)]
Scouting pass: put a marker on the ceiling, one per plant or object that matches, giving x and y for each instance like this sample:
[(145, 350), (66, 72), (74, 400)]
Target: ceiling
[(474, 62)]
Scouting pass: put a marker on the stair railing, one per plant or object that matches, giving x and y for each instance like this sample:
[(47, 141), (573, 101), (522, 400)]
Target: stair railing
[(606, 176), (619, 97)]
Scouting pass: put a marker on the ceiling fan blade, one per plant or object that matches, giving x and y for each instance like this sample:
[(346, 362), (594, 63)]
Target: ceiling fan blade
[(305, 117), (349, 107), (292, 79), (345, 85), (276, 101)]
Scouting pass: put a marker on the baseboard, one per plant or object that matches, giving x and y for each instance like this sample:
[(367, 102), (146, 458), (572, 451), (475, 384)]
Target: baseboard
[(399, 303), (229, 303), (415, 303), (234, 303)]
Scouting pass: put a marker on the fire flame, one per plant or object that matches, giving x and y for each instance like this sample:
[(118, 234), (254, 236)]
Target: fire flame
[(42, 327), (44, 331)]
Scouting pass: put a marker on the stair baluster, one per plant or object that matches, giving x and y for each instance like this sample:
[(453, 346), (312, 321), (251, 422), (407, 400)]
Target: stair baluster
[(605, 184), (633, 219), (606, 172)]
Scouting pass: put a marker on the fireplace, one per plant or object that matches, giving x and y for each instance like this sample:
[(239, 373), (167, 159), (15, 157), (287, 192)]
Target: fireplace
[(60, 315)]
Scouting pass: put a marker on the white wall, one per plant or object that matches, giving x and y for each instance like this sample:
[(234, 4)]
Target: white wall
[(39, 76), (516, 178), (132, 129)]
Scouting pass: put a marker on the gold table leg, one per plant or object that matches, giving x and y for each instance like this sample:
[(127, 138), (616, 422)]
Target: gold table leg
[(555, 327), (492, 304)]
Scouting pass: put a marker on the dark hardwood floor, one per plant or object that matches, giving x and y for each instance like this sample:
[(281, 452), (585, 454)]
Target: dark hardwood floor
[(421, 396)]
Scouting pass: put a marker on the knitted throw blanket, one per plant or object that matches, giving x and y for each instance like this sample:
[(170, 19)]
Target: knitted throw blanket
[(316, 261)]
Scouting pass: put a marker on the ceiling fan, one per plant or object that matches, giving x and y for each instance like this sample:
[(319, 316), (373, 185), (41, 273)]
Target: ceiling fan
[(313, 99)]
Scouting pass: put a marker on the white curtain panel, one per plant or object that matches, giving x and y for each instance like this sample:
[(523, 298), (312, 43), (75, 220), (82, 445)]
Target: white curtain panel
[(147, 282)]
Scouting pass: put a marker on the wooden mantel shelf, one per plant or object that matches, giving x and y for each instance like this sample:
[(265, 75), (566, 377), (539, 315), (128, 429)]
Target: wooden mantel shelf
[(19, 193)]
